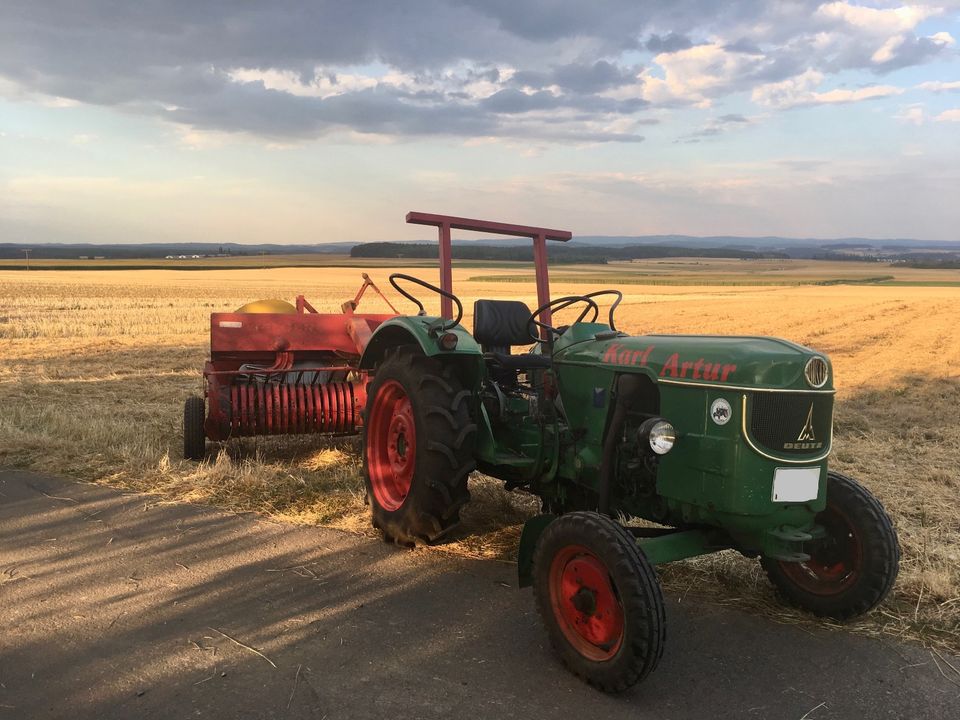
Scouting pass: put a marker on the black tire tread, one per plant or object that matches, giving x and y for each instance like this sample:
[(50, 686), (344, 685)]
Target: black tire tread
[(883, 561), (194, 437), (639, 588), (444, 428)]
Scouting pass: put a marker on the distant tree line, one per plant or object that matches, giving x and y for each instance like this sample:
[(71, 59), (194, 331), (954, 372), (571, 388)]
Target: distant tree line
[(558, 253), (947, 264), (113, 252)]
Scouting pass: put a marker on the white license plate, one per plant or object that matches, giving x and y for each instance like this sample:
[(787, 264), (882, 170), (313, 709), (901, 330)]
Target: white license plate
[(796, 484)]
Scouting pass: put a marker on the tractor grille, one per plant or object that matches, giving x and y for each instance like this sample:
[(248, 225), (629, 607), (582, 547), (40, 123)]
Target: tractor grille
[(791, 423)]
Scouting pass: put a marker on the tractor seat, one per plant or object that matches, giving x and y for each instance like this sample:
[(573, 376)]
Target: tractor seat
[(500, 324)]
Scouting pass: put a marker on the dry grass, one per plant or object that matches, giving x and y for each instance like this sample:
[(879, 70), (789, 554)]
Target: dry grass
[(94, 367)]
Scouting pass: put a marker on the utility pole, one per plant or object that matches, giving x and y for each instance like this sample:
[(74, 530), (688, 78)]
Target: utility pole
[(27, 254)]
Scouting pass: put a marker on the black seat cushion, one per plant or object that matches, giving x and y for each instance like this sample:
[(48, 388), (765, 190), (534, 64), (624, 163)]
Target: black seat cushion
[(501, 323)]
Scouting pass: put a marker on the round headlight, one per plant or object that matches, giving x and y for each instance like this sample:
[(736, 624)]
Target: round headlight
[(816, 372), (659, 434)]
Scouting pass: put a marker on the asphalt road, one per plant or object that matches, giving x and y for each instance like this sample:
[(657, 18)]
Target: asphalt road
[(120, 606)]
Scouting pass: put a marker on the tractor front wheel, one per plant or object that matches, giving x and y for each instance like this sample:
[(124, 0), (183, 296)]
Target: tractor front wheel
[(600, 600), (852, 568), (194, 437), (418, 447)]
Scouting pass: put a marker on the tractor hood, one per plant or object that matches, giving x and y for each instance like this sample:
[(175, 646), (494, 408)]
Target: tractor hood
[(737, 361)]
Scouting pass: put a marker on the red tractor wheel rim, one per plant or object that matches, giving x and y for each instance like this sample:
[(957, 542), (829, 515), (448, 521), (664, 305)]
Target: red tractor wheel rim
[(835, 561), (585, 603), (391, 445)]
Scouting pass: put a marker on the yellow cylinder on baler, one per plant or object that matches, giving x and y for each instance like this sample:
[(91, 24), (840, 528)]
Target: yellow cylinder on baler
[(268, 306)]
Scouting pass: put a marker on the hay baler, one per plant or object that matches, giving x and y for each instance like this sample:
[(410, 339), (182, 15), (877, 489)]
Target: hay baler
[(717, 443), (276, 368)]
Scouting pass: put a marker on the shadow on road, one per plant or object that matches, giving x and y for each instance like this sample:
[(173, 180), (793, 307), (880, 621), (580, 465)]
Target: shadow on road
[(119, 606)]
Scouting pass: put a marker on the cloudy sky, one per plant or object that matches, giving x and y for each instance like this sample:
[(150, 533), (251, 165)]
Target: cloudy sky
[(172, 120)]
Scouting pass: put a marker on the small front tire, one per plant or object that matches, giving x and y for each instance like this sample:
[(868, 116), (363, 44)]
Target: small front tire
[(600, 600), (853, 568)]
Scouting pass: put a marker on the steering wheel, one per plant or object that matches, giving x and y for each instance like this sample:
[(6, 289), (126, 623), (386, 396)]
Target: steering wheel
[(613, 307), (445, 324), (556, 306)]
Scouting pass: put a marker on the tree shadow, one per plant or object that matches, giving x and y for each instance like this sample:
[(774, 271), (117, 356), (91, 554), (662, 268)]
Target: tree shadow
[(120, 605)]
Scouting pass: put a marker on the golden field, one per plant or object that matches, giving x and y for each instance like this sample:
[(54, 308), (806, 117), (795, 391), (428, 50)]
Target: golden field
[(95, 365)]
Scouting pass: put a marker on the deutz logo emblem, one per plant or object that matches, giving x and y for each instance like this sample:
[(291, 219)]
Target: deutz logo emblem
[(807, 433)]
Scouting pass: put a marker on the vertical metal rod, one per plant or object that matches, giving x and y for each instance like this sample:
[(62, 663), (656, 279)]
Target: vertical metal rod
[(543, 279), (446, 270)]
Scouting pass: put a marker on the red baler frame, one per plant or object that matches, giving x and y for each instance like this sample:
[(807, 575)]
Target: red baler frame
[(255, 356)]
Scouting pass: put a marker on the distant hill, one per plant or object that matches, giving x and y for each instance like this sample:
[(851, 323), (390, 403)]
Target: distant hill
[(583, 246), (71, 251), (559, 253)]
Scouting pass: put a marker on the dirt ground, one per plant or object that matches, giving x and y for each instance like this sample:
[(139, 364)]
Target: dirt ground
[(94, 367), (122, 605)]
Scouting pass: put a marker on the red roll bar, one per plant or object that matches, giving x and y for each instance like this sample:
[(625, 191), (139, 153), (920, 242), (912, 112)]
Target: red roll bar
[(539, 236)]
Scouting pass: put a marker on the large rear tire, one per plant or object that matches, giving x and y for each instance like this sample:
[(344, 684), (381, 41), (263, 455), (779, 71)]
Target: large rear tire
[(851, 570), (600, 600), (194, 437), (418, 447)]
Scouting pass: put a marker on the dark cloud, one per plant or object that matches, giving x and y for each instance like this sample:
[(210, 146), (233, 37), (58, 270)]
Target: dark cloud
[(515, 101), (174, 59), (671, 42), (743, 45), (601, 75), (578, 77), (715, 127)]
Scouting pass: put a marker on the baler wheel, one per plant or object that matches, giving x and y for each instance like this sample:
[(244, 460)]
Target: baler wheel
[(600, 600), (418, 447), (852, 569), (194, 438)]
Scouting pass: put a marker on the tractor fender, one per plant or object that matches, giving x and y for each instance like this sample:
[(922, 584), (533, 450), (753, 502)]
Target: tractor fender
[(532, 530), (417, 330)]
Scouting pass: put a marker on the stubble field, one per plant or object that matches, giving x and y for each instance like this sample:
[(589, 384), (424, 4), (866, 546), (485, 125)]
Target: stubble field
[(95, 365)]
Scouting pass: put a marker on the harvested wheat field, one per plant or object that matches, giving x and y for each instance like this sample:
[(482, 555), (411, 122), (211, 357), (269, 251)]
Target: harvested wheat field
[(96, 365)]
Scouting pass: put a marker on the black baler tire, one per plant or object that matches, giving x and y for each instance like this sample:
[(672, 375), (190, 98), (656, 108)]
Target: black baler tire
[(444, 459), (194, 437), (881, 557), (634, 579)]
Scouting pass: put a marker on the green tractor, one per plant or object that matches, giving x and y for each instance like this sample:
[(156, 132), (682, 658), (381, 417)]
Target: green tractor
[(718, 442)]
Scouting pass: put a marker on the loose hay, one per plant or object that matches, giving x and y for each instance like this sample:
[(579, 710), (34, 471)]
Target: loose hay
[(94, 368)]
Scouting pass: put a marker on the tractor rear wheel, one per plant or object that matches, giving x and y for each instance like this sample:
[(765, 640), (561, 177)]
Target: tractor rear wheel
[(600, 600), (418, 447), (194, 437), (851, 569)]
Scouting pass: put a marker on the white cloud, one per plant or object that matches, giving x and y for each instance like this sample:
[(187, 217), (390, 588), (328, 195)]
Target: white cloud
[(949, 116), (878, 20), (692, 72), (323, 85), (881, 38), (943, 38), (938, 86), (693, 75), (886, 52), (911, 115), (801, 90)]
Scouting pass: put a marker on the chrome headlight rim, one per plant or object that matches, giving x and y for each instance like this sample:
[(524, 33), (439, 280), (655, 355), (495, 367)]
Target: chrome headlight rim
[(658, 434), (816, 372)]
